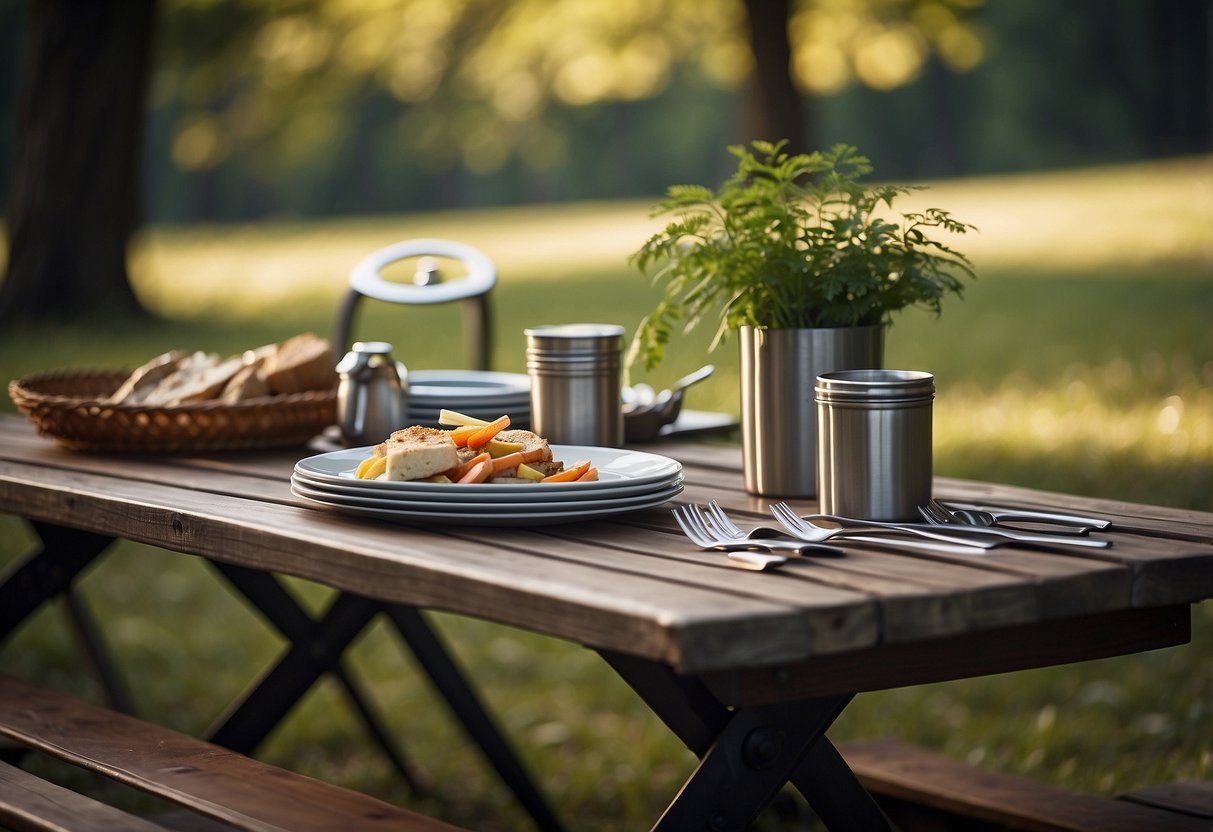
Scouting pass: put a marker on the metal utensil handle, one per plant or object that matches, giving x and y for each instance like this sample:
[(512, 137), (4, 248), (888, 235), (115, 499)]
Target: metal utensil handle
[(1028, 537), (1044, 516), (755, 560), (792, 546)]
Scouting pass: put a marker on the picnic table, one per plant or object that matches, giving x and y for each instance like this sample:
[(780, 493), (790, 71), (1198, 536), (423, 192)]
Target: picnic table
[(748, 669)]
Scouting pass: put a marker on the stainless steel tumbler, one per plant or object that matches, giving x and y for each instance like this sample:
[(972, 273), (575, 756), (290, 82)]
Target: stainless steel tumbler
[(874, 443), (575, 383)]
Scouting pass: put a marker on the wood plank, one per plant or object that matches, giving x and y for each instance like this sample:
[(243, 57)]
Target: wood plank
[(31, 803), (916, 599), (925, 778), (1191, 797), (593, 603), (977, 653), (261, 482), (207, 779)]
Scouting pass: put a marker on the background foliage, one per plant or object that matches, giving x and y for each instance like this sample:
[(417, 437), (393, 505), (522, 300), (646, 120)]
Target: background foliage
[(305, 108)]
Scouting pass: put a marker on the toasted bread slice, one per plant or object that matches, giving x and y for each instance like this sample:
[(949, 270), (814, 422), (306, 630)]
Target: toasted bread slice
[(419, 452), (198, 377), (302, 363), (248, 383), (144, 380)]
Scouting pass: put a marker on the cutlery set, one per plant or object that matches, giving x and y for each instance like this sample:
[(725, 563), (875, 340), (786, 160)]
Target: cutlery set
[(948, 528)]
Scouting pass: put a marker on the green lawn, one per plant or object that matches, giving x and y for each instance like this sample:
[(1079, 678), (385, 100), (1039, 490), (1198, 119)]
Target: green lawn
[(1080, 360)]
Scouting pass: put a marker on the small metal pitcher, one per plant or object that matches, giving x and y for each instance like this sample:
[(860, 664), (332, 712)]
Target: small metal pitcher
[(372, 394)]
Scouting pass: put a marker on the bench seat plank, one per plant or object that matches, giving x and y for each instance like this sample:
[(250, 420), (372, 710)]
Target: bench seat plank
[(213, 781), (30, 803), (1194, 797), (922, 778)]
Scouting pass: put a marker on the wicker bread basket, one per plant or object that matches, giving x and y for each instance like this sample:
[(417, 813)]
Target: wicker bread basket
[(69, 406)]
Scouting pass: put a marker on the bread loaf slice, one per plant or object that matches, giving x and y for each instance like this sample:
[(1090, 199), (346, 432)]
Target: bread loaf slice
[(302, 363), (144, 380), (198, 377), (248, 383)]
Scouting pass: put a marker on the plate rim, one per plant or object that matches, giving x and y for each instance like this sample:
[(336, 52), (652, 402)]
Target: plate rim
[(456, 509), (670, 467)]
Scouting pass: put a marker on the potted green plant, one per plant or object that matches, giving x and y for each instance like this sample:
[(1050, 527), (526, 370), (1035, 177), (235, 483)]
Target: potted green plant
[(806, 264)]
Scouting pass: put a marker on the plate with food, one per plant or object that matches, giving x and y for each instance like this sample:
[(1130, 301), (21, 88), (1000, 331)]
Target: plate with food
[(483, 467), (475, 457)]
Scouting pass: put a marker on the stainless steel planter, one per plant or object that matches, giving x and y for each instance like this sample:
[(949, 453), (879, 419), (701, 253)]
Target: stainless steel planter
[(779, 369)]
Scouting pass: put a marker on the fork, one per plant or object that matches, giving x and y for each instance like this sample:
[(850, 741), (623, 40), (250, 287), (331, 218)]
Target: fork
[(940, 516), (723, 524), (804, 529), (740, 553)]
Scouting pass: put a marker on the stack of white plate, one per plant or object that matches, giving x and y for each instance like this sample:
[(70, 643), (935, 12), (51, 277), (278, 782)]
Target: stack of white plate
[(481, 394), (627, 481)]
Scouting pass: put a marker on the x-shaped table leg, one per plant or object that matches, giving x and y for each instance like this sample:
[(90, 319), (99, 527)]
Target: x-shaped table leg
[(317, 647), (748, 753), (48, 570)]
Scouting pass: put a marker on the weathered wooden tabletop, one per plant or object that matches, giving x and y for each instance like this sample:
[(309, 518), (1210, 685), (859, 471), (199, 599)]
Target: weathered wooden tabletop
[(633, 585)]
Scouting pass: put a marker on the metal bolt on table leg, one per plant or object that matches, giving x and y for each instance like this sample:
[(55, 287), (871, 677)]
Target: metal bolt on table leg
[(762, 747)]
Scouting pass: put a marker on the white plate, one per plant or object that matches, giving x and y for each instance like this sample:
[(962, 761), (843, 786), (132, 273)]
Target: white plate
[(454, 510), (616, 468), (518, 493), (468, 385), (516, 516)]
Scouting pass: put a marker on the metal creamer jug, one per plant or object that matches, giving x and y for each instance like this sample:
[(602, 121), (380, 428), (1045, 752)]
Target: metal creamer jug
[(372, 393)]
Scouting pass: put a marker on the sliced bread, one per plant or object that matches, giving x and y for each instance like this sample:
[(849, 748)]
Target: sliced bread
[(144, 380), (304, 362)]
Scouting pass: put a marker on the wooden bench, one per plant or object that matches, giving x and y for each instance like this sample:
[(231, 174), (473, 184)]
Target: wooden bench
[(210, 781), (921, 789)]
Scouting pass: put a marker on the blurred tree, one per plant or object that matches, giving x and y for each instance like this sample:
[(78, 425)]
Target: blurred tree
[(75, 191), (262, 93), (432, 97), (777, 110)]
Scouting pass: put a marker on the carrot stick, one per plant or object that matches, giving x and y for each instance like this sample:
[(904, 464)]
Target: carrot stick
[(460, 434), (478, 472), (457, 473), (570, 474), (483, 436), (590, 475), (503, 463)]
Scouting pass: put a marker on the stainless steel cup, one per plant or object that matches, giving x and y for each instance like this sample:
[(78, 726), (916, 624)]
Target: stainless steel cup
[(575, 383), (874, 443)]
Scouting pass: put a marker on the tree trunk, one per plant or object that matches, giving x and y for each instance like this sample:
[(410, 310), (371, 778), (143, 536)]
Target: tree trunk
[(776, 109), (76, 193)]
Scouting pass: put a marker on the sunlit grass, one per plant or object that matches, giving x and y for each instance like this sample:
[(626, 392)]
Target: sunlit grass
[(1080, 360)]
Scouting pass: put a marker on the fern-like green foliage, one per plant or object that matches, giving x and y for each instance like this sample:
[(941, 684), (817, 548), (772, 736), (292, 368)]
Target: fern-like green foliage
[(792, 241)]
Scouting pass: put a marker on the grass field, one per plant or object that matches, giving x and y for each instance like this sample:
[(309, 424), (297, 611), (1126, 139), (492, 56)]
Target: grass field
[(1081, 360)]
